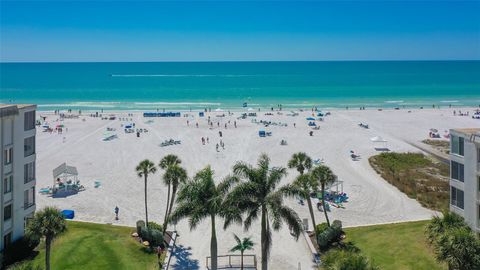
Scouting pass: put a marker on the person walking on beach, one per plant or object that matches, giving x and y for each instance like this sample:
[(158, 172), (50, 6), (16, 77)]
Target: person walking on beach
[(235, 124), (208, 141), (116, 212), (216, 147)]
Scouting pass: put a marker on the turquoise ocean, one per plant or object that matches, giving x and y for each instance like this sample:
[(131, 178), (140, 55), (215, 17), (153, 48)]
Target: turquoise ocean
[(228, 85)]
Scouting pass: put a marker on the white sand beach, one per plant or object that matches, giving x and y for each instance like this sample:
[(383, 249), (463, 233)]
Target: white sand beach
[(372, 200)]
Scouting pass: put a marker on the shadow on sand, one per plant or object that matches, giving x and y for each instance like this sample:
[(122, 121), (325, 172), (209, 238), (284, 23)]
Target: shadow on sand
[(182, 259)]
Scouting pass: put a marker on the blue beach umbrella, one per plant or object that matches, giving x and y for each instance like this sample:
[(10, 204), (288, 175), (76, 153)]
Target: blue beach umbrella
[(311, 119)]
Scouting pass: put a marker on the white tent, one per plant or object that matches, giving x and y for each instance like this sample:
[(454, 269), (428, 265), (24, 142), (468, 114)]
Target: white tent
[(379, 139)]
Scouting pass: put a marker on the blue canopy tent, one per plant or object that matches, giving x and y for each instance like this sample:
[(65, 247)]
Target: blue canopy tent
[(311, 119)]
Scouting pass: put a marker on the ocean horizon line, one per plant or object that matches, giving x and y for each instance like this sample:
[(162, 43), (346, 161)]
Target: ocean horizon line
[(244, 61)]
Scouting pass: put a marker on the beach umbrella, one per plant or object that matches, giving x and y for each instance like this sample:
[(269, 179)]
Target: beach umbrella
[(218, 110), (434, 130), (311, 119)]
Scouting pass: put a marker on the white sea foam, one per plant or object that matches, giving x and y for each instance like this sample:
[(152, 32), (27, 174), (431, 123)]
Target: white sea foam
[(449, 101), (178, 103), (394, 101)]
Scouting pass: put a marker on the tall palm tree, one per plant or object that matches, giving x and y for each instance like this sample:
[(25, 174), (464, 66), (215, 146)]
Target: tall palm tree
[(49, 223), (175, 175), (242, 244), (300, 161), (258, 195), (143, 169), (165, 163), (199, 199), (302, 187), (325, 177)]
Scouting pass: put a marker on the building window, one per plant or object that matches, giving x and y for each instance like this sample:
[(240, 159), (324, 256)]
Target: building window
[(7, 184), (7, 212), (29, 172), (29, 198), (7, 240), (8, 155), (29, 122), (457, 145), (456, 197), (29, 146), (457, 171)]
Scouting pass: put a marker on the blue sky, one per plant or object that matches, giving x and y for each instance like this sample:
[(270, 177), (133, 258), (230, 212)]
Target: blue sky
[(238, 30)]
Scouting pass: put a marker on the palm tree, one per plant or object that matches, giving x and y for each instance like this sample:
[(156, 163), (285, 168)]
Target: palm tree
[(49, 223), (302, 187), (143, 169), (167, 162), (300, 161), (459, 248), (175, 175), (325, 177), (242, 245), (198, 199), (258, 195), (439, 225)]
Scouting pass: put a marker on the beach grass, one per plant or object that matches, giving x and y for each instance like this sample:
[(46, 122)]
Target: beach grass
[(395, 246), (416, 175), (97, 246)]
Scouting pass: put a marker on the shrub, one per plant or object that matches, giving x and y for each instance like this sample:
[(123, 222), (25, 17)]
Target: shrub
[(19, 250), (346, 260), (156, 238), (140, 225), (144, 233), (330, 235), (320, 228), (155, 226), (24, 266)]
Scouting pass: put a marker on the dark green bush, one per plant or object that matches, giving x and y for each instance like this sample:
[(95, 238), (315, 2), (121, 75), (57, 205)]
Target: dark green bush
[(19, 250), (155, 226), (346, 260), (140, 225), (330, 235), (156, 238), (320, 228)]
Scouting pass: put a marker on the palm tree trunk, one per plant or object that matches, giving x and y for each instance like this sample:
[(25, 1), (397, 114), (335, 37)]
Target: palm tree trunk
[(146, 208), (213, 245), (48, 243), (309, 201), (241, 260), (166, 211), (323, 204), (172, 200), (263, 239)]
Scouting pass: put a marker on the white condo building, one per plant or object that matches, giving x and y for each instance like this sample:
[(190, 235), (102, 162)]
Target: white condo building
[(17, 170), (465, 175)]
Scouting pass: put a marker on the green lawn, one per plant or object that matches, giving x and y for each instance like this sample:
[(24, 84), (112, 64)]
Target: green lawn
[(395, 246), (97, 246)]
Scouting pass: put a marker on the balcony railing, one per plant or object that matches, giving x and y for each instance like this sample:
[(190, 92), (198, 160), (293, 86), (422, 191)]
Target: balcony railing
[(234, 262)]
